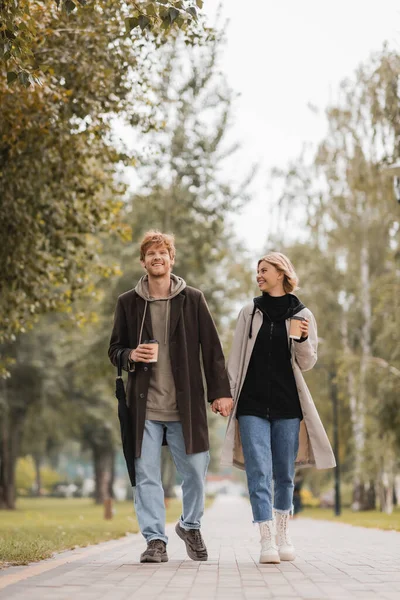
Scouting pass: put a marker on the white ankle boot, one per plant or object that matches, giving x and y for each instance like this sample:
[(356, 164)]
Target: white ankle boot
[(285, 546), (269, 549)]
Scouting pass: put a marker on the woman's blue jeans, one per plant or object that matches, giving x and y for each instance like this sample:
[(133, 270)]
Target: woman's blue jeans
[(270, 450)]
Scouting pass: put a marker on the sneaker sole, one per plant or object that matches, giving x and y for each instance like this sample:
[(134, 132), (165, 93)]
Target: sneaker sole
[(188, 550), (272, 560), (287, 556), (163, 558)]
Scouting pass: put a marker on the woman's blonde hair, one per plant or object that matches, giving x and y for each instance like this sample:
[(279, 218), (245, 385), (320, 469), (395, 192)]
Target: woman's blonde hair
[(283, 264)]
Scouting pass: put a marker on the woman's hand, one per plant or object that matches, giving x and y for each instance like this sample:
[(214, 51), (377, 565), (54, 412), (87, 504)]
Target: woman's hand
[(223, 406), (304, 328)]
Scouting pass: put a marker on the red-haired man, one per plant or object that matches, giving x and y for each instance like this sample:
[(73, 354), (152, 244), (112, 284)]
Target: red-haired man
[(166, 398)]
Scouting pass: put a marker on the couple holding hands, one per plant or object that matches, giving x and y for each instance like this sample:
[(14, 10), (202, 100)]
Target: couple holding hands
[(167, 340)]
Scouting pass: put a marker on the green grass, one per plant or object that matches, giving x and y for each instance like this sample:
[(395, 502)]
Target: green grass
[(369, 518), (41, 526)]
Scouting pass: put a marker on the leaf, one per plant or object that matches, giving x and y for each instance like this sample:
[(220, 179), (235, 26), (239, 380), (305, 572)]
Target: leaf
[(24, 79), (11, 77), (131, 23), (200, 3), (173, 14), (192, 11), (151, 10), (69, 6), (82, 2), (10, 35), (166, 24), (143, 22)]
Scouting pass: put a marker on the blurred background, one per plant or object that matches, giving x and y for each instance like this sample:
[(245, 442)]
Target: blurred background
[(241, 129)]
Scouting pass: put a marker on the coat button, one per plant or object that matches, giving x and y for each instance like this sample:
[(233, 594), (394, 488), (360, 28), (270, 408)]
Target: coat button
[(142, 395), (145, 368)]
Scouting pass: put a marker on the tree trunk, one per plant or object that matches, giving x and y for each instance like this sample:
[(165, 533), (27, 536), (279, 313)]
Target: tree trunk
[(387, 482), (38, 478), (358, 402), (370, 499), (8, 461), (112, 477), (103, 459), (397, 489), (357, 419)]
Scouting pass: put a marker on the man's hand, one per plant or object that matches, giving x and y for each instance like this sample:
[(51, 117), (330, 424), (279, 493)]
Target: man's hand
[(143, 353), (223, 406)]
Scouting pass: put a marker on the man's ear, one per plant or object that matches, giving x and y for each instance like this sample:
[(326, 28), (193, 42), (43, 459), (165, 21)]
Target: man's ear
[(143, 265)]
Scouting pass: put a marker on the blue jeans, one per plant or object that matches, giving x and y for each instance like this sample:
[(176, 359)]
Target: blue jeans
[(270, 450), (148, 492)]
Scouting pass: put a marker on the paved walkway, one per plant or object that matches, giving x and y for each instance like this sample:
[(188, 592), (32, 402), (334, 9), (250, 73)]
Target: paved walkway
[(335, 561)]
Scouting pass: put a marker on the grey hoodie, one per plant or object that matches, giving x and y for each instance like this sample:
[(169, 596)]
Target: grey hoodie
[(161, 398)]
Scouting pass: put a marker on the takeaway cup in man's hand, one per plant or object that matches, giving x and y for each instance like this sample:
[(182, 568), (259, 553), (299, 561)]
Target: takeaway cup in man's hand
[(145, 352), (154, 347), (295, 331)]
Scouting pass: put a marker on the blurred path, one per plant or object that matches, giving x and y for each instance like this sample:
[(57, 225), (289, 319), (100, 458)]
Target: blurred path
[(334, 561)]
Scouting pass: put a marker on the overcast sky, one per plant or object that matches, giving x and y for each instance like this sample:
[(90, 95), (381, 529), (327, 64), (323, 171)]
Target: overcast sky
[(280, 57)]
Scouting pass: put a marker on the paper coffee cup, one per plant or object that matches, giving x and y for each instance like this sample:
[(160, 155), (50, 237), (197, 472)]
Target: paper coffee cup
[(294, 330), (154, 344)]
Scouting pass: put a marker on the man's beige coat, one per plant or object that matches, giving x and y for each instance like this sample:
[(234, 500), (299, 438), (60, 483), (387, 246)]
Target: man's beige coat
[(314, 447)]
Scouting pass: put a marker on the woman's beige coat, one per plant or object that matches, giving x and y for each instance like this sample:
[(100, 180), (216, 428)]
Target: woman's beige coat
[(314, 447)]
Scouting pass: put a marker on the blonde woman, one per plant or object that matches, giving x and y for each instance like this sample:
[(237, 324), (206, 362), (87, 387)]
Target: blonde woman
[(274, 424)]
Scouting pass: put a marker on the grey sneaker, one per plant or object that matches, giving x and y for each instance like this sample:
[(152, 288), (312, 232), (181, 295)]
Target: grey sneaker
[(195, 546), (155, 552)]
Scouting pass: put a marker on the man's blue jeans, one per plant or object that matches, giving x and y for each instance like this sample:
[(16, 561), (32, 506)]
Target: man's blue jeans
[(149, 493), (270, 450)]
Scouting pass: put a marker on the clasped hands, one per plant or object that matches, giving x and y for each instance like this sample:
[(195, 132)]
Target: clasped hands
[(223, 406)]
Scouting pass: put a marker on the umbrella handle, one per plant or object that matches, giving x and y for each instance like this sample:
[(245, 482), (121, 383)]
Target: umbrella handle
[(119, 362)]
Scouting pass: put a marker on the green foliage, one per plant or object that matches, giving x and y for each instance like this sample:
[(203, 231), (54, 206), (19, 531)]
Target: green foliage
[(25, 474), (57, 165), (49, 478), (70, 218), (21, 27), (349, 265)]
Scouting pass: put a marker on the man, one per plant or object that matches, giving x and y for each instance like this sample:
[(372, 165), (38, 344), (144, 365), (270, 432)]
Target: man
[(166, 398)]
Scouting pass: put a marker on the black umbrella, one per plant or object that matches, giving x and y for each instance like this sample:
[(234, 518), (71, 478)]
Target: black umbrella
[(125, 421)]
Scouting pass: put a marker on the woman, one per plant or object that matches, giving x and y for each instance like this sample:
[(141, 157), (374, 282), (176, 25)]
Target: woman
[(274, 424)]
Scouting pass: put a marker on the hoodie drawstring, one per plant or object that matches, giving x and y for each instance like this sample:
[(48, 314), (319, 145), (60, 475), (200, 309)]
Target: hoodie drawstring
[(167, 323), (142, 325), (251, 322)]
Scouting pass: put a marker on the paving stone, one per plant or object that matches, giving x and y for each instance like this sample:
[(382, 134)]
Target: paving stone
[(334, 562)]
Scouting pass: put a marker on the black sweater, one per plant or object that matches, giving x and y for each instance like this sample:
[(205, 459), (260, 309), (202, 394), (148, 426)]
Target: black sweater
[(269, 390)]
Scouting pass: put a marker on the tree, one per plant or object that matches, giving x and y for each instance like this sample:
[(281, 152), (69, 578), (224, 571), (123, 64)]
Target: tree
[(181, 186), (59, 156), (32, 379), (20, 29), (352, 218)]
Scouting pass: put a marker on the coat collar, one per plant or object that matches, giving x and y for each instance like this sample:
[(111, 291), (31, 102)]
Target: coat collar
[(176, 312)]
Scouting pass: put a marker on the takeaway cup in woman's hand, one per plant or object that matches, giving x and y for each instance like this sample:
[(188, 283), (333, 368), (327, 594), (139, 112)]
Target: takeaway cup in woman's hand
[(296, 330)]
